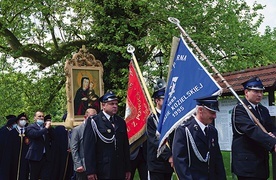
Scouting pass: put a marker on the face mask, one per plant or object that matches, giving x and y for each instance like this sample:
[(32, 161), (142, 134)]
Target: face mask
[(22, 123), (40, 121)]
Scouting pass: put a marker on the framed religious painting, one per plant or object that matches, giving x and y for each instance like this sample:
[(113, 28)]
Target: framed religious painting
[(84, 86)]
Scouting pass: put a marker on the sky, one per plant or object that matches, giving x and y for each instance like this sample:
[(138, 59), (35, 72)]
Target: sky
[(269, 13)]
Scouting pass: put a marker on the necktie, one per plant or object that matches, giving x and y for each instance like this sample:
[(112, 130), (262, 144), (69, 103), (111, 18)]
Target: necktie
[(21, 131), (206, 134), (206, 131), (258, 112), (112, 119)]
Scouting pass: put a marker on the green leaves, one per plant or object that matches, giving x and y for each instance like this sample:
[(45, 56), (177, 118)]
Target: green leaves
[(46, 33)]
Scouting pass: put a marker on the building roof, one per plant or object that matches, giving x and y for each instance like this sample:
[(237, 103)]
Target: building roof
[(266, 73)]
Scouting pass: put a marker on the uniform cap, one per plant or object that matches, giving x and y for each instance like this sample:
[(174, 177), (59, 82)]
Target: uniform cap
[(209, 102), (22, 115), (253, 83), (108, 96), (10, 116), (159, 93), (11, 121), (48, 117)]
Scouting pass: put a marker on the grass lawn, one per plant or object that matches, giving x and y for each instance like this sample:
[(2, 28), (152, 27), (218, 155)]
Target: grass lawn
[(227, 164), (227, 160)]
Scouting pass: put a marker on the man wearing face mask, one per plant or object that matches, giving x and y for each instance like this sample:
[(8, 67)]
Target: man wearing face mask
[(39, 153), (18, 167)]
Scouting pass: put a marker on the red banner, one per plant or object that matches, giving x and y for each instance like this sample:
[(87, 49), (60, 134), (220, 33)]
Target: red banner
[(137, 107)]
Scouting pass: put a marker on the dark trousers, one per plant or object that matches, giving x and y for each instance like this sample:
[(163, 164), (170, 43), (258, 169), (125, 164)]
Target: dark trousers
[(40, 169), (81, 176), (140, 164), (160, 176)]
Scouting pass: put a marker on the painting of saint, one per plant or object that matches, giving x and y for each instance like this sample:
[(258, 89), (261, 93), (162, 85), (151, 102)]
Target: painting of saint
[(81, 97), (84, 85)]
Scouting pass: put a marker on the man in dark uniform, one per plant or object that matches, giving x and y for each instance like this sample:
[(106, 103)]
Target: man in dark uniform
[(196, 152), (16, 166), (105, 140), (159, 168), (5, 132), (39, 154), (11, 119), (17, 149), (251, 146)]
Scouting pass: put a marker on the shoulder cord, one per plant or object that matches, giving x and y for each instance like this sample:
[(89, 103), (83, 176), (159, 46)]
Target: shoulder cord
[(197, 153), (156, 121), (188, 148), (234, 124), (102, 137)]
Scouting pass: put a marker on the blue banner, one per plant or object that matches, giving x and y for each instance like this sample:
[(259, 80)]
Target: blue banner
[(188, 80)]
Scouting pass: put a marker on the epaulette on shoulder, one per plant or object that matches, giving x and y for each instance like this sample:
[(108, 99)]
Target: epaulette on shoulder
[(96, 117), (92, 117), (184, 123)]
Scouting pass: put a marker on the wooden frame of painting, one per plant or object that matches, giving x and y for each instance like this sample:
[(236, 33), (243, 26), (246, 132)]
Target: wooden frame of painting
[(84, 86)]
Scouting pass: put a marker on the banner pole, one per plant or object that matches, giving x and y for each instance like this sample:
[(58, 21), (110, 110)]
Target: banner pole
[(131, 49), (177, 23)]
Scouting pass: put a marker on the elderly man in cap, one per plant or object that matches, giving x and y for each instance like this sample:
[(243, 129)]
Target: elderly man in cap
[(105, 140), (159, 167), (39, 154), (196, 152), (251, 146)]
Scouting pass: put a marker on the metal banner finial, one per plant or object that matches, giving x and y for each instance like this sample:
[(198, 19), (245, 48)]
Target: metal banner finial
[(174, 20), (130, 48)]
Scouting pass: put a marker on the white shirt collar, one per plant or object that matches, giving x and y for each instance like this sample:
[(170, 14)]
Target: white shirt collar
[(158, 110), (106, 115), (19, 129), (201, 125), (253, 105)]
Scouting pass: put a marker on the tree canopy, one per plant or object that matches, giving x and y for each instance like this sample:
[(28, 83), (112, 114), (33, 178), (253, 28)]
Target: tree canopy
[(43, 34)]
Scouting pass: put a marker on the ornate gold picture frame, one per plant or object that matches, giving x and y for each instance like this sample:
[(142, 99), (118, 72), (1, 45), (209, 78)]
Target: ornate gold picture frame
[(84, 85)]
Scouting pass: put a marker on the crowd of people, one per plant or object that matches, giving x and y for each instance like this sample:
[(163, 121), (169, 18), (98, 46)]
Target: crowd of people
[(99, 147), (34, 151)]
